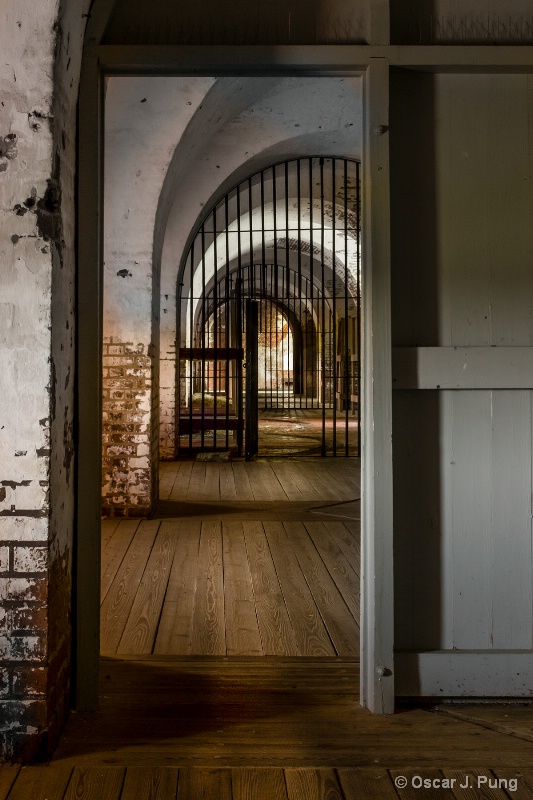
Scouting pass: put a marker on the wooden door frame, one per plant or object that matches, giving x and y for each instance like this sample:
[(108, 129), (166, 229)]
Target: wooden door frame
[(100, 61)]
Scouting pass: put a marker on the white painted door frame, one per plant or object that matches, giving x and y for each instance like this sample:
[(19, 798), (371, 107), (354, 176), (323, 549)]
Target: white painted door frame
[(377, 679)]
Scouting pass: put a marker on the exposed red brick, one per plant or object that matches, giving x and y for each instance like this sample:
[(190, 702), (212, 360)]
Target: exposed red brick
[(29, 681), (29, 618), (23, 589), (4, 682), (22, 648), (127, 488)]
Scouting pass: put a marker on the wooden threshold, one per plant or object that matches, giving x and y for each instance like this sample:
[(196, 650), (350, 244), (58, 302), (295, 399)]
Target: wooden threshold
[(277, 713)]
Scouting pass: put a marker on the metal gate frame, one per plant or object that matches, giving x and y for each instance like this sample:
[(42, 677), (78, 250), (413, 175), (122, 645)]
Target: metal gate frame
[(289, 236)]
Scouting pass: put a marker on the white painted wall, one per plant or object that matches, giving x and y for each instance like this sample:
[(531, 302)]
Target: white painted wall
[(39, 77), (145, 118), (461, 22), (227, 22), (462, 277)]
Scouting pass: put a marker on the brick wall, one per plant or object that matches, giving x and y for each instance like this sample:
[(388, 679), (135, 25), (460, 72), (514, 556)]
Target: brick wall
[(126, 429), (41, 50), (23, 645), (167, 406)]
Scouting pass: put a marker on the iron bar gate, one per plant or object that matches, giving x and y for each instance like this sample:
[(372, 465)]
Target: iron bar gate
[(287, 238)]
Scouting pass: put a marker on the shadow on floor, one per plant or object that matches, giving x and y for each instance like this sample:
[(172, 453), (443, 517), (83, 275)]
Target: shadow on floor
[(255, 509), (236, 710)]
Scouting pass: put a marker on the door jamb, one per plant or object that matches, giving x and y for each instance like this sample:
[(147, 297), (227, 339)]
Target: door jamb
[(377, 680)]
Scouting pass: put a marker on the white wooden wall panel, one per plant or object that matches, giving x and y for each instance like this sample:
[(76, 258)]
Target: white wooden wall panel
[(462, 367), (418, 572), (462, 208), (484, 169), (483, 8), (460, 674), (509, 228), (471, 268), (511, 484), (473, 593), (447, 480)]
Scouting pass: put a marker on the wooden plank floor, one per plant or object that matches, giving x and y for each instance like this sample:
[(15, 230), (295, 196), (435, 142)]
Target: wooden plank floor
[(267, 712), (231, 587), (243, 783), (242, 559), (307, 480), (231, 669)]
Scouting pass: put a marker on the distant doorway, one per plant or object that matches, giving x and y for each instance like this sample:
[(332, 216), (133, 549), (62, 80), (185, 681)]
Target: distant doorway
[(285, 242)]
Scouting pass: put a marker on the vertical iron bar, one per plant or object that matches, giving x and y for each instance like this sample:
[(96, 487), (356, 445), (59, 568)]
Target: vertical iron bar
[(203, 321), (323, 310), (303, 388), (334, 311), (238, 328), (251, 277), (311, 280), (358, 309), (191, 343), (215, 337), (347, 363), (252, 417), (274, 290), (227, 317), (268, 337)]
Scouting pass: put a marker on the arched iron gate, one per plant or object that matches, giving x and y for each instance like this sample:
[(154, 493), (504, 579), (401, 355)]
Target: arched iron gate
[(269, 316)]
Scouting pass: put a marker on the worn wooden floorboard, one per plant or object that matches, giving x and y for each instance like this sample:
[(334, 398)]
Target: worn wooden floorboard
[(203, 712), (358, 784), (258, 784), (276, 631), (41, 783), (266, 783), (94, 784), (340, 569), (311, 635), (123, 590), (242, 480), (230, 586), (208, 626), (313, 784), (150, 784), (108, 527), (8, 775), (175, 624), (141, 626), (180, 487), (114, 550), (167, 476), (342, 627), (279, 480), (242, 629)]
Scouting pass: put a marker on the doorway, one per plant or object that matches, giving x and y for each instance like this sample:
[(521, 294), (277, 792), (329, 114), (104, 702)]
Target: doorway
[(84, 260)]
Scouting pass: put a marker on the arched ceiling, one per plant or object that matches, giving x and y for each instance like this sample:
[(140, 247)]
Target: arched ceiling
[(175, 145), (288, 118)]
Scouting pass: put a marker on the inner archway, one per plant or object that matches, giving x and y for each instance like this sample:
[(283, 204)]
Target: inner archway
[(287, 238)]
